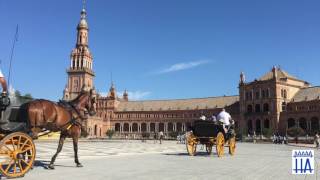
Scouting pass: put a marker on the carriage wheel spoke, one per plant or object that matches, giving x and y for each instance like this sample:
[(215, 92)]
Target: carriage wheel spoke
[(7, 147), (19, 141), (8, 167), (22, 160), (24, 144), (20, 166), (27, 149), (15, 167), (12, 143)]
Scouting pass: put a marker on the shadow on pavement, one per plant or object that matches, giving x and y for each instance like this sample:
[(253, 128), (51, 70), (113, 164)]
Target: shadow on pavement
[(45, 164), (203, 154)]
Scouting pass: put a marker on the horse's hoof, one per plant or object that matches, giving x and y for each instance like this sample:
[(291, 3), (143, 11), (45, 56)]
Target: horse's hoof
[(79, 165), (51, 166)]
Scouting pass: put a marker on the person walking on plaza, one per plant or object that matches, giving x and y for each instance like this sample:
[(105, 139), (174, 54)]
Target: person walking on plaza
[(254, 137), (160, 136), (155, 137), (316, 140)]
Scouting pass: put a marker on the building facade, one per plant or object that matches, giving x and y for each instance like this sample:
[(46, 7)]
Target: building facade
[(277, 101)]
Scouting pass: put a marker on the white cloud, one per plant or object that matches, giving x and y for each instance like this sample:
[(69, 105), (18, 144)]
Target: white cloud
[(183, 66), (133, 95), (136, 95)]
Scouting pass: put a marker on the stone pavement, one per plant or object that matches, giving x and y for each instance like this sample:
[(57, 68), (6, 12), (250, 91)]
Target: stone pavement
[(135, 160)]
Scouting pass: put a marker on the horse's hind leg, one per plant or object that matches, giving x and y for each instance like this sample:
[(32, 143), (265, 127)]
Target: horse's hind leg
[(75, 148), (61, 141)]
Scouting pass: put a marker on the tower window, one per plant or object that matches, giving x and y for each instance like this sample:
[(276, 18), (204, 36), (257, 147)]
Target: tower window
[(257, 108), (257, 95)]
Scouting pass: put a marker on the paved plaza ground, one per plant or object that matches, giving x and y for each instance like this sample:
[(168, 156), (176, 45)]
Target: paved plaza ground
[(144, 161)]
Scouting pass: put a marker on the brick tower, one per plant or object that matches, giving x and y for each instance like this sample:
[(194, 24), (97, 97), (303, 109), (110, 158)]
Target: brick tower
[(80, 73)]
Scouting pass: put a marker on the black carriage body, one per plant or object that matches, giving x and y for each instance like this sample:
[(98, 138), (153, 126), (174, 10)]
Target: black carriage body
[(11, 122), (204, 130)]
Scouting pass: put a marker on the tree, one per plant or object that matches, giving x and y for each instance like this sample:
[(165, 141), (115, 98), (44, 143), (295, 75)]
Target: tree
[(296, 131), (28, 96), (267, 132), (110, 133), (17, 93), (173, 134)]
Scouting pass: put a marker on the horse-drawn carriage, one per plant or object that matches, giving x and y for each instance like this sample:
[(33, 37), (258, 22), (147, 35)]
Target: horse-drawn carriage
[(210, 133), (21, 123)]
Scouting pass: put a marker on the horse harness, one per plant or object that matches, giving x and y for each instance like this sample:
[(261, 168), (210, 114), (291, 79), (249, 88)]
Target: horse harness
[(71, 108)]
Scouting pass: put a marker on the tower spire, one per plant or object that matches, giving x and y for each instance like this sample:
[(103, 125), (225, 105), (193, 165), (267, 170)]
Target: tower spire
[(83, 4)]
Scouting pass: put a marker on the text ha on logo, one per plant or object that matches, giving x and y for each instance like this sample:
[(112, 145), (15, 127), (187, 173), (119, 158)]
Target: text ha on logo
[(302, 162)]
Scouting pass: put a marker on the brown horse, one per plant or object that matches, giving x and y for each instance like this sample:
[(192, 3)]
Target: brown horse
[(65, 117)]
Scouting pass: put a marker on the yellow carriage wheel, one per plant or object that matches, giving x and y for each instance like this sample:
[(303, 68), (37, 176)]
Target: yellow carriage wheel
[(191, 144), (220, 144), (232, 145), (17, 154)]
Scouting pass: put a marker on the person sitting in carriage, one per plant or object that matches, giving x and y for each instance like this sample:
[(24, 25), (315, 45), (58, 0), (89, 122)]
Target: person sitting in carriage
[(203, 117), (225, 118)]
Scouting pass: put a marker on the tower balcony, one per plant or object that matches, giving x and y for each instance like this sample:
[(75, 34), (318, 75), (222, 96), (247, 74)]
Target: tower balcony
[(80, 70)]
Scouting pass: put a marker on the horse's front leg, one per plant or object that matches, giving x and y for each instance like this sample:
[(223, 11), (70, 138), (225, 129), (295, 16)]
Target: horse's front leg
[(75, 138), (61, 141)]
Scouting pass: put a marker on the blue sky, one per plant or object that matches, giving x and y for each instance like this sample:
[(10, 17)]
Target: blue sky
[(159, 49)]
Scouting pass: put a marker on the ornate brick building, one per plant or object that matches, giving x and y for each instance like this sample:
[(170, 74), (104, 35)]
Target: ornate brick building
[(276, 101)]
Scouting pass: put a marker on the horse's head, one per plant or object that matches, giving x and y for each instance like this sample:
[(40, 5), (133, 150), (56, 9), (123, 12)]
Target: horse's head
[(91, 103), (86, 101)]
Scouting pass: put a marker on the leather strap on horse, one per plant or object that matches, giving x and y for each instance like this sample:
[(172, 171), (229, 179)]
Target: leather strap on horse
[(73, 120)]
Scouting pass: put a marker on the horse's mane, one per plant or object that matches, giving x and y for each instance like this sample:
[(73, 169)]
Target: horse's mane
[(78, 97)]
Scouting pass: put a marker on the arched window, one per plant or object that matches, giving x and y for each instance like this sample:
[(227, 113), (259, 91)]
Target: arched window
[(134, 127), (95, 130), (152, 127), (258, 126), (314, 124), (265, 107), (126, 127), (291, 123), (303, 123), (179, 127), (170, 127), (188, 126), (249, 108), (249, 126), (143, 127), (257, 95), (117, 127), (266, 124), (257, 108), (284, 106), (161, 127)]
